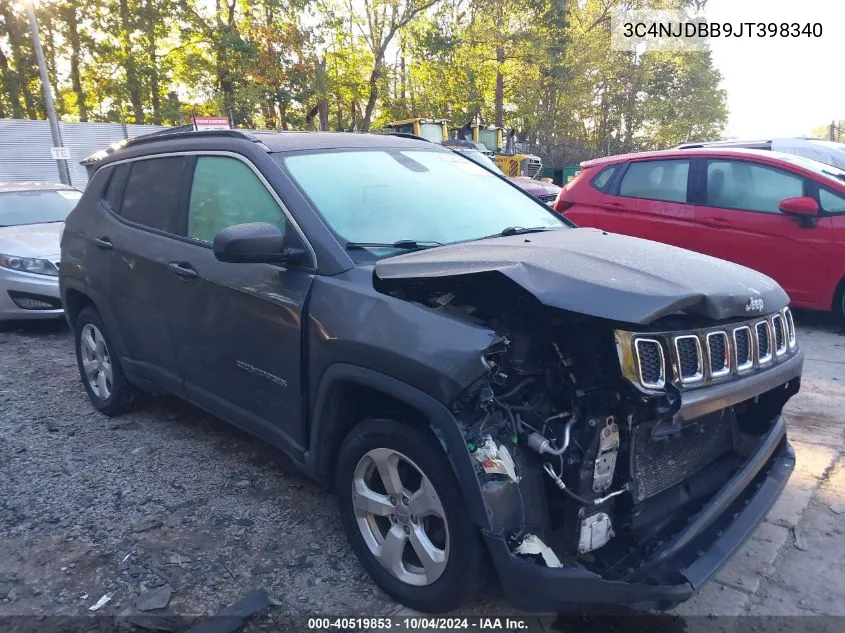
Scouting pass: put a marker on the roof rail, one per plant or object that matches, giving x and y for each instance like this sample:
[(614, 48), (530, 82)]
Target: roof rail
[(407, 135), (727, 144), (182, 132)]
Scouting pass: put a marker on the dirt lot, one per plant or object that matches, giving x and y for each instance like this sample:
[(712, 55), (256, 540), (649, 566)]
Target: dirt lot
[(170, 500)]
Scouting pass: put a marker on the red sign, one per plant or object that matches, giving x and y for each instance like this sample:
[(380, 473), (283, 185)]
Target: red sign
[(211, 123)]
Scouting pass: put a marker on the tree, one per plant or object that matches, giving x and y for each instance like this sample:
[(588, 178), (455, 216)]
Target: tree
[(381, 21), (823, 131)]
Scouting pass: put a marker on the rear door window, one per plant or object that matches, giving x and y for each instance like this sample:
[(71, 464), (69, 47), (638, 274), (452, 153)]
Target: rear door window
[(601, 181), (153, 192), (734, 184), (656, 180), (114, 190)]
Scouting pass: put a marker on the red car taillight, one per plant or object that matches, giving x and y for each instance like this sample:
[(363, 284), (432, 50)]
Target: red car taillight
[(563, 201)]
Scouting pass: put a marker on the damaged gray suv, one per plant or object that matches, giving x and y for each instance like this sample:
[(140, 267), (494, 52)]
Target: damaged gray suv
[(493, 392)]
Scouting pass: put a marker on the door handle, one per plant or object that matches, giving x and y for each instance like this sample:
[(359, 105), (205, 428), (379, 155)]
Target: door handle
[(183, 270), (717, 223), (104, 243)]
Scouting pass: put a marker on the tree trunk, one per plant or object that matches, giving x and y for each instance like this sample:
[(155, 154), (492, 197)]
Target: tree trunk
[(70, 16), (11, 84), (371, 101), (404, 85), (500, 60), (323, 108), (152, 21), (339, 114), (133, 85), (224, 80), (283, 116)]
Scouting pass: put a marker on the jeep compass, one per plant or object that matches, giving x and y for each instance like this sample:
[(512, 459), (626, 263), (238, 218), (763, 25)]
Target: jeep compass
[(492, 392)]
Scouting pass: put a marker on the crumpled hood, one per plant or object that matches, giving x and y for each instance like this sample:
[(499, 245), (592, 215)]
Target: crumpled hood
[(32, 240), (602, 274)]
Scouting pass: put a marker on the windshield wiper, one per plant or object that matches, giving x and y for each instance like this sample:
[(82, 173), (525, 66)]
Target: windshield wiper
[(405, 245), (519, 230), (835, 175)]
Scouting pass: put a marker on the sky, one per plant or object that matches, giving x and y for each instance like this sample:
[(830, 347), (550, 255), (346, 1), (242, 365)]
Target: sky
[(781, 86)]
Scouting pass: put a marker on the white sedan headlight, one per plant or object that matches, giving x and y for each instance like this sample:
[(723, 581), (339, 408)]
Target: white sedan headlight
[(29, 265)]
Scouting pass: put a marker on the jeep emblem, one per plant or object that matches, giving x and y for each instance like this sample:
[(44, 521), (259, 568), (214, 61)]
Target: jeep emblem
[(754, 305)]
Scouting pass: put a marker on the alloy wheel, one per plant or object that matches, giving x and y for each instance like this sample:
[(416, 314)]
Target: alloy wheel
[(96, 361), (400, 516)]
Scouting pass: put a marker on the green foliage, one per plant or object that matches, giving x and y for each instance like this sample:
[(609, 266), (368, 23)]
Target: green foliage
[(544, 67)]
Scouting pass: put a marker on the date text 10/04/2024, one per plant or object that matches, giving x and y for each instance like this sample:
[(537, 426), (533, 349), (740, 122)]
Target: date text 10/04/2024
[(433, 623)]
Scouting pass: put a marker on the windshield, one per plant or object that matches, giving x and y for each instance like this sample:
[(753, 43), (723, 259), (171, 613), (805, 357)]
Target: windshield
[(37, 207), (482, 159), (823, 169), (386, 196)]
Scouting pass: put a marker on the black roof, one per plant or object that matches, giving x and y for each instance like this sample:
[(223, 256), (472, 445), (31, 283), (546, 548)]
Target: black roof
[(289, 141), (269, 141), (299, 141)]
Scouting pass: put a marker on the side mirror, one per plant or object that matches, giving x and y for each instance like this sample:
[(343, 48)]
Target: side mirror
[(801, 206), (255, 243)]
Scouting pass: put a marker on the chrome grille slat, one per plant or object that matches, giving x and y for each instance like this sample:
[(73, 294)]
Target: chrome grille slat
[(690, 361), (790, 327), (742, 345), (764, 342), (779, 329), (651, 363), (719, 353)]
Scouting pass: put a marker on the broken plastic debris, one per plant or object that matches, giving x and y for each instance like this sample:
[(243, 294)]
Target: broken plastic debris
[(495, 459), (800, 542), (102, 601), (154, 599), (532, 546)]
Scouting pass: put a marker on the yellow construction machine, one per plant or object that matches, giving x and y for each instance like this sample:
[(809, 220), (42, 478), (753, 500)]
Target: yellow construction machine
[(435, 130), (493, 137)]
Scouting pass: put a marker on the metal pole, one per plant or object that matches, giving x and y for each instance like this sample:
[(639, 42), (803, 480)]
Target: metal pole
[(64, 174)]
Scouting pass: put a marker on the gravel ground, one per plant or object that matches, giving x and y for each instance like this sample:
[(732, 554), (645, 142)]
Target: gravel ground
[(92, 505), (169, 500)]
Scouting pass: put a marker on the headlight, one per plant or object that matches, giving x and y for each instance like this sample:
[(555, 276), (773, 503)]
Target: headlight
[(29, 265)]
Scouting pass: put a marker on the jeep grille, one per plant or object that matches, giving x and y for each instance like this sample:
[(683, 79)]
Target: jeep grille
[(700, 357)]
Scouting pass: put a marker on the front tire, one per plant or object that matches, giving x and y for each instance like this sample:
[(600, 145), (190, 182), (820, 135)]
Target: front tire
[(405, 516), (99, 366)]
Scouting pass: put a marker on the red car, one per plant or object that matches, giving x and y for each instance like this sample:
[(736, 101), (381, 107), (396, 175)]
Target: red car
[(780, 214)]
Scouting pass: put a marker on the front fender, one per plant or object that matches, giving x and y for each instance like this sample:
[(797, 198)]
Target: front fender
[(439, 418)]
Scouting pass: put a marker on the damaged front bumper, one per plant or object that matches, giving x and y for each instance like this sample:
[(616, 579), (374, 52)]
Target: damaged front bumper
[(681, 565)]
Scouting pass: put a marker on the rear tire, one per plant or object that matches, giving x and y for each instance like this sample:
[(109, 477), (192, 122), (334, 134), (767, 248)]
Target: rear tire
[(398, 496), (99, 366), (839, 302)]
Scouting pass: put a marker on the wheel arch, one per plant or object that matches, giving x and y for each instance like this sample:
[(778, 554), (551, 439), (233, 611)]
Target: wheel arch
[(349, 393), (74, 302), (77, 296)]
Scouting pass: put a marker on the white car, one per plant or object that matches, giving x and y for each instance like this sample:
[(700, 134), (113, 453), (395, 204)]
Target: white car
[(828, 152), (32, 217)]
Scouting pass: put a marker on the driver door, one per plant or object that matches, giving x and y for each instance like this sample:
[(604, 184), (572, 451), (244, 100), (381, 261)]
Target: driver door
[(740, 221), (237, 326)]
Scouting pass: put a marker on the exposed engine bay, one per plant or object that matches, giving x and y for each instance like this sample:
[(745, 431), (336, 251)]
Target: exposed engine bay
[(576, 465)]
